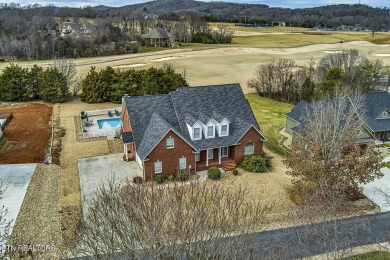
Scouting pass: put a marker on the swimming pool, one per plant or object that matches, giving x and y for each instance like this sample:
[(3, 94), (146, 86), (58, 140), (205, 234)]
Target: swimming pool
[(109, 123)]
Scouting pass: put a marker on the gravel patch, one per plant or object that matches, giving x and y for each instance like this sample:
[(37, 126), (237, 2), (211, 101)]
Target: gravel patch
[(38, 222)]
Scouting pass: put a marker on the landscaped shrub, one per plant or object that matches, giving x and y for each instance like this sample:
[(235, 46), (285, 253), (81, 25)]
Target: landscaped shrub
[(268, 159), (137, 179), (181, 175), (159, 178), (171, 177), (214, 173), (254, 163), (235, 172)]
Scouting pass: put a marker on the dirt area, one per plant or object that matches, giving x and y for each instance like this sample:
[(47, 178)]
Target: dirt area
[(26, 138), (70, 150), (38, 221)]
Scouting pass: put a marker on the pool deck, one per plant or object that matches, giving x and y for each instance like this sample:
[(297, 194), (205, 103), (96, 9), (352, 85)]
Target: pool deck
[(94, 128)]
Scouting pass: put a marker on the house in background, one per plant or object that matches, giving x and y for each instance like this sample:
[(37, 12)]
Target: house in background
[(157, 38), (76, 28), (192, 129), (376, 118)]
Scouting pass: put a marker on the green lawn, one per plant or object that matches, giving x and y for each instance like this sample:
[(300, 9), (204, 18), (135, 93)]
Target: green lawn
[(387, 165), (377, 255), (270, 116)]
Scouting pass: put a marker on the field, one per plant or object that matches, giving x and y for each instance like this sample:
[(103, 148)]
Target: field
[(270, 116), (26, 138), (207, 64)]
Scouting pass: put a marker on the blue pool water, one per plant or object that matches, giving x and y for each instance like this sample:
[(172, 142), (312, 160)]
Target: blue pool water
[(109, 123)]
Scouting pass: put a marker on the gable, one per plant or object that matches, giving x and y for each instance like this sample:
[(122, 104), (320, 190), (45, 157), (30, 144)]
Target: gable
[(179, 144)]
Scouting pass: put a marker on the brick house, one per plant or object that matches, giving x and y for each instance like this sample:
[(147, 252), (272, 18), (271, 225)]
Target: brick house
[(192, 128), (157, 38)]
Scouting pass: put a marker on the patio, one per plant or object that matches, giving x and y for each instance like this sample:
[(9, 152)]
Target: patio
[(87, 127)]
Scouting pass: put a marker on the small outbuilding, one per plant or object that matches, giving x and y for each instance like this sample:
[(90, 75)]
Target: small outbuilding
[(157, 38)]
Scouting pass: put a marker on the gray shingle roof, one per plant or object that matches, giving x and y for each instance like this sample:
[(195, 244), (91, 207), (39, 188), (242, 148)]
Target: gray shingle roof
[(152, 116), (157, 33), (127, 137), (375, 104), (297, 112), (156, 129)]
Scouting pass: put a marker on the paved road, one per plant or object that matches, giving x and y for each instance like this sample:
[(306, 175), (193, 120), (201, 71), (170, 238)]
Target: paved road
[(309, 240)]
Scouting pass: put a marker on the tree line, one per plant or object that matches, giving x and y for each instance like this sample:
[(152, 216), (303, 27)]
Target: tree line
[(22, 84), (55, 83), (109, 85), (287, 81)]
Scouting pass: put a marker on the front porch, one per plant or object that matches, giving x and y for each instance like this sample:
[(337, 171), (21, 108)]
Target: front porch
[(226, 164)]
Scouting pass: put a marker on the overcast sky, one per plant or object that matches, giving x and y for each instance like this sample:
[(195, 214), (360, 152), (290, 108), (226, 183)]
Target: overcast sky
[(272, 3)]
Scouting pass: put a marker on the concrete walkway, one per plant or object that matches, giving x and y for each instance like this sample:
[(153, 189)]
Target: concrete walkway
[(374, 190), (94, 171), (17, 177)]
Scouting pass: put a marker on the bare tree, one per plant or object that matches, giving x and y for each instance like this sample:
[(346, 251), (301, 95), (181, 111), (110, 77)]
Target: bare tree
[(326, 154), (184, 221), (68, 69), (276, 79)]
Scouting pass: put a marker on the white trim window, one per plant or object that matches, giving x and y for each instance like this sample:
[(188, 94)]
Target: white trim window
[(249, 148), (196, 133), (197, 157), (170, 142), (385, 114), (224, 151), (210, 131), (224, 130), (210, 153), (157, 167), (182, 163)]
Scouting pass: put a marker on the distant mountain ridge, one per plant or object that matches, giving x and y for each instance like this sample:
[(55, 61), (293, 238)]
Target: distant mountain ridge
[(330, 15)]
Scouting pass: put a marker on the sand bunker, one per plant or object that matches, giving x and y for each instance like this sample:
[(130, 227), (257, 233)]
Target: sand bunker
[(382, 54), (166, 58), (335, 51), (129, 66)]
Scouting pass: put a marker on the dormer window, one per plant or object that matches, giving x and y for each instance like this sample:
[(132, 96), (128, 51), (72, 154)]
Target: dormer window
[(210, 131), (197, 133), (224, 130), (385, 114)]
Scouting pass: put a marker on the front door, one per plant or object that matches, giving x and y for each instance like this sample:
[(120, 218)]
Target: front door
[(210, 153), (224, 151)]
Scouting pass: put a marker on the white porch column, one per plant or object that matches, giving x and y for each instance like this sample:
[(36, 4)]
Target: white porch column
[(207, 157), (127, 153), (219, 155)]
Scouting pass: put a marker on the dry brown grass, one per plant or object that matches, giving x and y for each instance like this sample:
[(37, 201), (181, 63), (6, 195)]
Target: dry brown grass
[(269, 188), (71, 151)]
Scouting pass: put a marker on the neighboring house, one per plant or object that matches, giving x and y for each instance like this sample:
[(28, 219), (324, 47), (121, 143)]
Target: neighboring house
[(70, 28), (157, 38), (192, 128), (87, 28), (53, 29), (376, 118)]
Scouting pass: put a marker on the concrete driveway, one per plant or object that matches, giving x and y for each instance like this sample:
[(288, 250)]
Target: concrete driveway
[(17, 177), (94, 171), (372, 189)]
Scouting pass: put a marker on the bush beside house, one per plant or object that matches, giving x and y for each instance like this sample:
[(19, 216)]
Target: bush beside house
[(256, 163), (214, 173)]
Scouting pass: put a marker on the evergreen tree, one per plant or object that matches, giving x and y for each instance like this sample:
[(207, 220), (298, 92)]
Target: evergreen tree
[(33, 80), (13, 83), (53, 87)]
